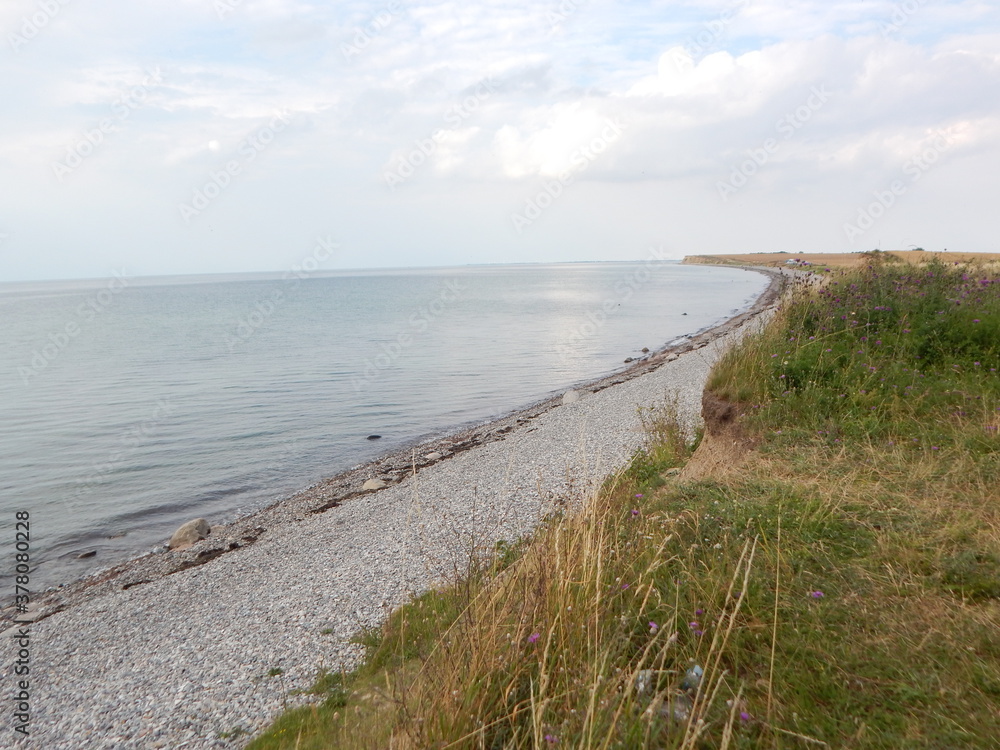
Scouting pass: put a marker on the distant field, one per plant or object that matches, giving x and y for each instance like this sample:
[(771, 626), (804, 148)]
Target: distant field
[(840, 260)]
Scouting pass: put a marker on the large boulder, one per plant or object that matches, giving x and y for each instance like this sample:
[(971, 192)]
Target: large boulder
[(189, 533)]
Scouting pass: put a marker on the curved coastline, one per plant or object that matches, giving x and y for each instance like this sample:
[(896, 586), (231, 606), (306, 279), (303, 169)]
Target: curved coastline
[(415, 538), (257, 431), (343, 486)]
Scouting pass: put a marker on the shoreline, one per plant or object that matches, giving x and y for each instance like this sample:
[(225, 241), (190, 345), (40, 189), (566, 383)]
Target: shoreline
[(165, 651), (331, 492)]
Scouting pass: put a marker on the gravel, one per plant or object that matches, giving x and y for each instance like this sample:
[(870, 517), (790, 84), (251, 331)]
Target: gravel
[(190, 657)]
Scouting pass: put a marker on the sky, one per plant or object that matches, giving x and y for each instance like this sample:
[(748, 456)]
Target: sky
[(209, 136)]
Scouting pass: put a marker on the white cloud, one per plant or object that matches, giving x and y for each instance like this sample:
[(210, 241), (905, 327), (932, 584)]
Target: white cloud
[(700, 86)]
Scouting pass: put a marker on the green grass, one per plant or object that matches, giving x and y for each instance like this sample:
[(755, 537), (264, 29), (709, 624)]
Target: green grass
[(839, 587)]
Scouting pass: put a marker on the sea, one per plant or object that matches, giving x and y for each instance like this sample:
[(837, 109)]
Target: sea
[(131, 405)]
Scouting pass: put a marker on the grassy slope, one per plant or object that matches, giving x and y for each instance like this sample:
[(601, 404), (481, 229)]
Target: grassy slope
[(839, 584)]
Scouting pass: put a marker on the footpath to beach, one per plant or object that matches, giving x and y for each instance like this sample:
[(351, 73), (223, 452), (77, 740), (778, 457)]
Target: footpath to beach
[(202, 648)]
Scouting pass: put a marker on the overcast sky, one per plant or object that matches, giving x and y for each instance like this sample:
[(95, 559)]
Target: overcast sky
[(196, 136)]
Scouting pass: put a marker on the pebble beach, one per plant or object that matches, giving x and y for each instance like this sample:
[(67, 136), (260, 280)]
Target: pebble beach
[(183, 649)]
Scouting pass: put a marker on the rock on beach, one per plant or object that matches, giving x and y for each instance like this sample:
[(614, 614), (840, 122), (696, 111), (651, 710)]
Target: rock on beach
[(189, 533)]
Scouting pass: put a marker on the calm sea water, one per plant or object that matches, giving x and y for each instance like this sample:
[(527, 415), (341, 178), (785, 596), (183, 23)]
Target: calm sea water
[(132, 405)]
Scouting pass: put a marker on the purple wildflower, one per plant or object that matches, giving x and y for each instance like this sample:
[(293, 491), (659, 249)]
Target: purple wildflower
[(533, 638), (817, 594)]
